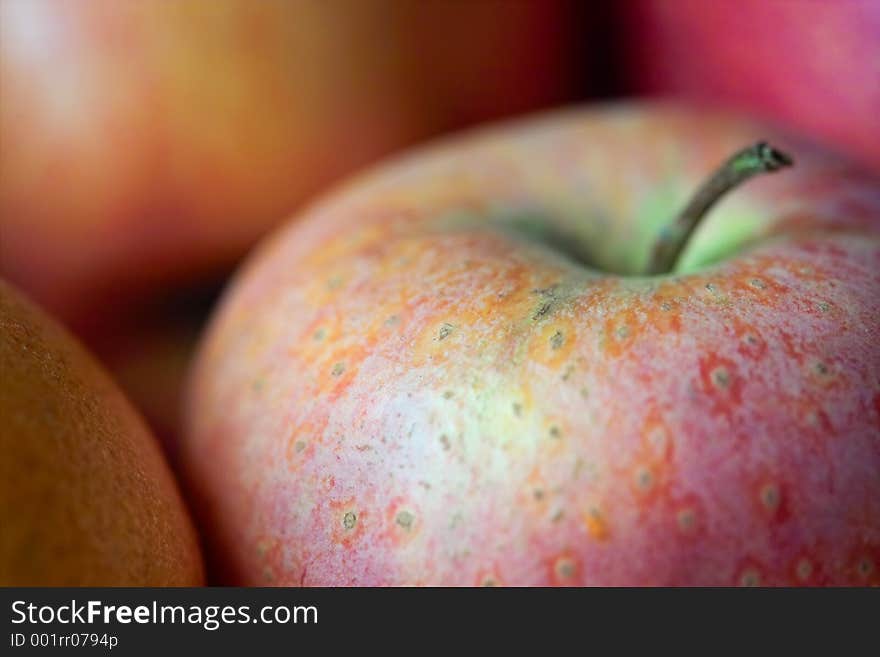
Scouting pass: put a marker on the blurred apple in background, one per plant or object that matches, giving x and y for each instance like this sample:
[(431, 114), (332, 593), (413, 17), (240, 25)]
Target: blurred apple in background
[(146, 143), (810, 64)]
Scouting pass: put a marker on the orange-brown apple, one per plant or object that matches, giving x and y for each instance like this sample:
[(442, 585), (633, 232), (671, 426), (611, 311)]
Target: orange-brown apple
[(86, 497), (147, 142), (454, 370)]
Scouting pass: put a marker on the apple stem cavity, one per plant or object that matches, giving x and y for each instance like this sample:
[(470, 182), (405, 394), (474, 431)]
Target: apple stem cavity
[(742, 165)]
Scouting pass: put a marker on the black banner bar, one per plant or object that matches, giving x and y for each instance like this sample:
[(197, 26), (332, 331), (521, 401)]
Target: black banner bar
[(143, 621)]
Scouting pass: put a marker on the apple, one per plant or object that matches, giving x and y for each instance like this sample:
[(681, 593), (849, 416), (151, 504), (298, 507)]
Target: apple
[(813, 65), (149, 143), (455, 370), (86, 498)]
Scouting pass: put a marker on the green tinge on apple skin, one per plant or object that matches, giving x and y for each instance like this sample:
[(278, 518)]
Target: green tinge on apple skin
[(726, 231), (723, 234), (620, 240), (531, 419)]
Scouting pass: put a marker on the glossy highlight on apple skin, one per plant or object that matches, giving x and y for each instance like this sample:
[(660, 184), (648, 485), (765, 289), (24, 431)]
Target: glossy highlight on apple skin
[(432, 378)]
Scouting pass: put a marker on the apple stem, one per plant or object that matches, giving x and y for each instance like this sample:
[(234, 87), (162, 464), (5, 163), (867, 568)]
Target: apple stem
[(757, 158)]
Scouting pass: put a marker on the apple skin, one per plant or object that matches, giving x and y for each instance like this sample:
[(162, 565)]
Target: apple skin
[(812, 65), (418, 381), (86, 498), (146, 143)]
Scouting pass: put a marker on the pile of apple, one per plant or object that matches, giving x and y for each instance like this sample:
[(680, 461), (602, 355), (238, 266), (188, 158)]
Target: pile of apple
[(575, 349)]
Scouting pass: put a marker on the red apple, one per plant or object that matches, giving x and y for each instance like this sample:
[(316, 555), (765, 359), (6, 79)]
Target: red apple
[(452, 371), (813, 65), (148, 142), (86, 497)]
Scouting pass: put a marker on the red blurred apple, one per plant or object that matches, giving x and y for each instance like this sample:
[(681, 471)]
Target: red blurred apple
[(813, 65), (453, 371), (147, 142)]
